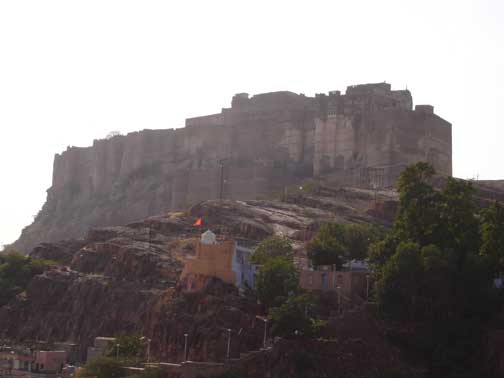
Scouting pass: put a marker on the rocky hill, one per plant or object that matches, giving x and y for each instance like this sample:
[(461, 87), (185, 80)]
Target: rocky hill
[(493, 184), (124, 278)]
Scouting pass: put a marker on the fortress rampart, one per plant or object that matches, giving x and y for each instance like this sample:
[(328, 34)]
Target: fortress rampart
[(255, 147)]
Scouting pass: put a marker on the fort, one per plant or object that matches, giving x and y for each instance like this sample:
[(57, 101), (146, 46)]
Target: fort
[(259, 145)]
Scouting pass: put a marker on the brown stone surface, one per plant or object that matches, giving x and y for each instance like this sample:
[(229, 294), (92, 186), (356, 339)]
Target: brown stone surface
[(352, 284), (256, 147), (212, 260), (125, 278)]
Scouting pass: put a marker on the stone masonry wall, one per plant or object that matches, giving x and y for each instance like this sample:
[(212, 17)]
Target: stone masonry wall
[(258, 146)]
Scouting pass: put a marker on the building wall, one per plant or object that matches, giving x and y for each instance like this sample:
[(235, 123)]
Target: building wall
[(335, 144), (212, 260), (16, 360), (244, 270), (100, 348), (352, 283), (224, 260), (389, 139), (73, 351), (52, 361)]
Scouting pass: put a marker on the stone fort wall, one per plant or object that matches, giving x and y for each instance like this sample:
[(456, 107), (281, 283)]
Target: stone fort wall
[(257, 146)]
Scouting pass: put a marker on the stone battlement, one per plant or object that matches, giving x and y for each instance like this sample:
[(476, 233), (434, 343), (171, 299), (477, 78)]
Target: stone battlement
[(357, 99)]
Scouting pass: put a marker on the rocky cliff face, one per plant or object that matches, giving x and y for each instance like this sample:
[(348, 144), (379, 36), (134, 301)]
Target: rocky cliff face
[(256, 147), (125, 278)]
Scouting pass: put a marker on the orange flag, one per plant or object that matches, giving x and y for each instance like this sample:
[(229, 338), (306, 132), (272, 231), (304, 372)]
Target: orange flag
[(198, 222)]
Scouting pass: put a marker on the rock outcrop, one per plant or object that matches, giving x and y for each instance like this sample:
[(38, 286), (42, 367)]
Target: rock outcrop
[(258, 146), (125, 278)]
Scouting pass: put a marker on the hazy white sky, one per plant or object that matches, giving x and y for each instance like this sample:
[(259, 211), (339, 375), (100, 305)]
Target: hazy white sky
[(72, 71)]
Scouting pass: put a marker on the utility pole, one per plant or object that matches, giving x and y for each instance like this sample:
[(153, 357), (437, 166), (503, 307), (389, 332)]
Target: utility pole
[(228, 343), (265, 321), (367, 287), (221, 189), (150, 236), (148, 347), (375, 194), (265, 332), (338, 288), (185, 346), (148, 350)]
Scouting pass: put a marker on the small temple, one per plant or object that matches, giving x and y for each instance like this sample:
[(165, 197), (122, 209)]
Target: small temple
[(223, 259)]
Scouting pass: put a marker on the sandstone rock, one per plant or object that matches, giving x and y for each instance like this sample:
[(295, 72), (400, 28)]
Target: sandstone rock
[(124, 278), (62, 252)]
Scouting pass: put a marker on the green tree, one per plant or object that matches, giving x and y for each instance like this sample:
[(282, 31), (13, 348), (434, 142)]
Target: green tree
[(380, 251), (335, 243), (418, 213), (277, 279), (16, 271), (358, 238), (327, 247), (492, 235), (272, 247), (457, 218), (398, 288), (433, 267), (292, 319), (446, 218), (126, 346), (437, 282)]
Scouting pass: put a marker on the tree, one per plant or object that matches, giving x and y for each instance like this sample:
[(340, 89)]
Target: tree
[(272, 247), (423, 264), (380, 251), (16, 271), (337, 243), (277, 279), (418, 213), (436, 282), (126, 346), (492, 236), (327, 247), (358, 238), (457, 219), (398, 287), (433, 266), (291, 319)]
